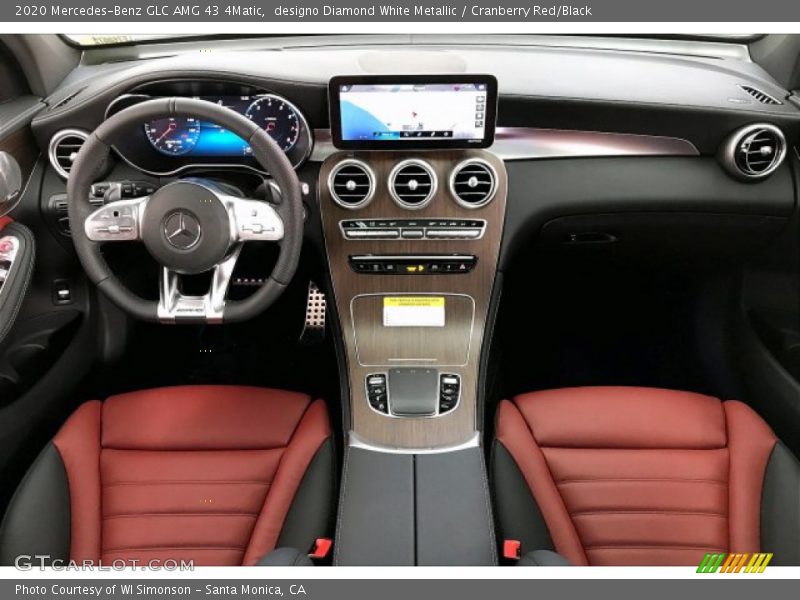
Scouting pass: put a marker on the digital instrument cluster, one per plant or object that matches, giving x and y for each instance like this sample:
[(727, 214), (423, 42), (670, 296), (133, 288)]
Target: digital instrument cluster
[(178, 136), (173, 144)]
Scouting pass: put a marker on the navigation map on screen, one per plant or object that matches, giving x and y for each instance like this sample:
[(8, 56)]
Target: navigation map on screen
[(413, 112)]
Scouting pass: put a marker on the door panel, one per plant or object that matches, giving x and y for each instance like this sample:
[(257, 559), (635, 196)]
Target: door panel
[(50, 345)]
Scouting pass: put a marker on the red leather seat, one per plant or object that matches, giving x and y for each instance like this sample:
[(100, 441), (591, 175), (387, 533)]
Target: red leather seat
[(634, 476), (214, 474)]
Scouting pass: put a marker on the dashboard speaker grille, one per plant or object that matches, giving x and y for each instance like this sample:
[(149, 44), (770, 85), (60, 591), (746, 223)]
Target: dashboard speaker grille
[(760, 151), (64, 147), (473, 183), (352, 184), (412, 183)]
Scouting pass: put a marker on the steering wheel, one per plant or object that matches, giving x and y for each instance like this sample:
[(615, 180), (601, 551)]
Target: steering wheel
[(189, 226)]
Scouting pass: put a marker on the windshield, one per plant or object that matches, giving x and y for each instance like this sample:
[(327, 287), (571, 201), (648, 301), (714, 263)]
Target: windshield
[(101, 39), (89, 39)]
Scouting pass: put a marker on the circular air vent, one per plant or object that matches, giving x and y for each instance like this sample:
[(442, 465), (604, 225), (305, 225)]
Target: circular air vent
[(755, 151), (64, 147), (351, 184), (473, 183), (412, 183)]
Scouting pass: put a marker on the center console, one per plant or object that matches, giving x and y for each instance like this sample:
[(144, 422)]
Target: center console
[(412, 277), (412, 211)]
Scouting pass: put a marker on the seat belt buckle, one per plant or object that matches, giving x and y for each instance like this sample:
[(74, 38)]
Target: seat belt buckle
[(321, 550), (512, 550)]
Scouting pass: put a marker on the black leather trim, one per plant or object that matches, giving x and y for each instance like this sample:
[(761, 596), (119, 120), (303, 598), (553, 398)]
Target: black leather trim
[(312, 511), (376, 510), (37, 521), (16, 286), (18, 112), (285, 557), (518, 516), (543, 558), (454, 515), (780, 508)]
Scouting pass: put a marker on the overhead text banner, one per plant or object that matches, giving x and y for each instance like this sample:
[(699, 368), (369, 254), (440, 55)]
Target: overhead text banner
[(511, 11)]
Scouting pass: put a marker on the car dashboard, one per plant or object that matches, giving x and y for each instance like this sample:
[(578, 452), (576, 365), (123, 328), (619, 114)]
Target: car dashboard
[(591, 147)]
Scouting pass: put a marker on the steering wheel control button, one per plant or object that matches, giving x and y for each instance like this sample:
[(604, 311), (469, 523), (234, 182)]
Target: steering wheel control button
[(377, 394), (255, 220), (117, 221)]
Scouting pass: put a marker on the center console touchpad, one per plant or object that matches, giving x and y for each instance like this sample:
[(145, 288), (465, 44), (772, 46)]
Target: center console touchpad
[(414, 392)]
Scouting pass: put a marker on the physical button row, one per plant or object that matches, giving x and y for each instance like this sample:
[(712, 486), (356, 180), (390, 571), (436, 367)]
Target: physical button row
[(412, 234), (433, 229)]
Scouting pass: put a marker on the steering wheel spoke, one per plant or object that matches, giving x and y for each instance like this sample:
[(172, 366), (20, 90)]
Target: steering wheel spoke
[(174, 306), (253, 220), (119, 221)]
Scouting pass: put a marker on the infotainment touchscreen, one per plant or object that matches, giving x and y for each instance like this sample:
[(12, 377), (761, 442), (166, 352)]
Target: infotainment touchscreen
[(413, 112)]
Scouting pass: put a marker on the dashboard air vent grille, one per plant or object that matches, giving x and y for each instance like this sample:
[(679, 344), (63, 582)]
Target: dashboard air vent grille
[(759, 151), (762, 97), (412, 183), (755, 151), (352, 184), (64, 147), (473, 183)]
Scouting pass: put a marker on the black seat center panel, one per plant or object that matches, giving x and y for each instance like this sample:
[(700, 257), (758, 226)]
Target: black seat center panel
[(415, 509)]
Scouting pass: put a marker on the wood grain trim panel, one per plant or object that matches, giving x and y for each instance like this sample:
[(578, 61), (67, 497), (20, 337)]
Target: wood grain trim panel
[(445, 347), (22, 146), (458, 427)]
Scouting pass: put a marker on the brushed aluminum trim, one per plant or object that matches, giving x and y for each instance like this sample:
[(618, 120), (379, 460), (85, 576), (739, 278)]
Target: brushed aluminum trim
[(531, 143), (354, 441)]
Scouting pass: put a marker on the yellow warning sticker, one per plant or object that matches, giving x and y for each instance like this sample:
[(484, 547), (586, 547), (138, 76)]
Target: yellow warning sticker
[(429, 301), (413, 311)]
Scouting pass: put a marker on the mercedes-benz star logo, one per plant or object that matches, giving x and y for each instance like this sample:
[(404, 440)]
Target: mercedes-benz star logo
[(182, 230)]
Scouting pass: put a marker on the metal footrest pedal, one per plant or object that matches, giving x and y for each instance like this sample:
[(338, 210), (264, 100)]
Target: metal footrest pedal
[(316, 308)]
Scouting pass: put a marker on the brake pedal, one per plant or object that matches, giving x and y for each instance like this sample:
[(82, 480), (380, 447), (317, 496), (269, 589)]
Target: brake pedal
[(316, 307)]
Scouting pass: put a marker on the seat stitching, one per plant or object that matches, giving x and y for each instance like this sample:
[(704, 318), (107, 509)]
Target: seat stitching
[(179, 514), (654, 547), (639, 448), (573, 480), (187, 482), (599, 512), (189, 547)]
